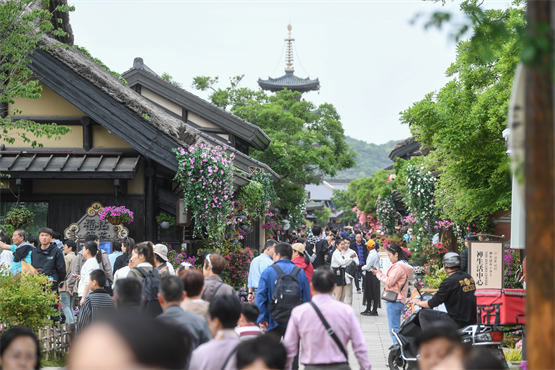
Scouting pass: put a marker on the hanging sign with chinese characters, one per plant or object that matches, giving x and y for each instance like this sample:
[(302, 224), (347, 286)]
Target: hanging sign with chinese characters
[(485, 264), (91, 224)]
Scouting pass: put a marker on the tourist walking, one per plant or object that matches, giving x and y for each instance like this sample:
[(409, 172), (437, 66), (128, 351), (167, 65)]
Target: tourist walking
[(116, 247), (49, 259), (161, 261), (193, 281), (20, 248), (316, 247), (219, 353), (104, 265), (66, 300), (258, 265), (97, 302), (396, 280), (246, 325), (340, 260), (283, 286), (362, 253), (142, 258), (170, 297), (127, 246), (92, 262), (372, 292), (302, 260), (324, 326), (214, 265)]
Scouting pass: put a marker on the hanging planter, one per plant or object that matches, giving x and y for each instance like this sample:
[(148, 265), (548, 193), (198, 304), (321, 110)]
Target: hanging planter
[(116, 215), (19, 218), (206, 176), (165, 220)]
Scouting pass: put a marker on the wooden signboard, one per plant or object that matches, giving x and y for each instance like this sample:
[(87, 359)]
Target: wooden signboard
[(90, 224), (485, 264)]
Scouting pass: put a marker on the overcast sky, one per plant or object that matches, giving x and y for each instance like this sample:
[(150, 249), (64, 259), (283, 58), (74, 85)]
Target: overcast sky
[(371, 62)]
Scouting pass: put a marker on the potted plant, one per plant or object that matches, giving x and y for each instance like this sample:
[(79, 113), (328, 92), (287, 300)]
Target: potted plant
[(165, 220), (19, 218), (116, 215)]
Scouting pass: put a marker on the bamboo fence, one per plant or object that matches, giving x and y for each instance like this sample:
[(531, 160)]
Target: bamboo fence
[(55, 339)]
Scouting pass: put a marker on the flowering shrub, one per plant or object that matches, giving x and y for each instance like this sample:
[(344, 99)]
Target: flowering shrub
[(176, 259), (511, 260), (238, 261), (242, 295), (435, 277), (386, 213), (407, 310), (269, 194), (252, 196), (206, 177), (419, 270), (119, 212), (420, 200)]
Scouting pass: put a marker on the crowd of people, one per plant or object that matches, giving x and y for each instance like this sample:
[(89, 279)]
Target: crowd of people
[(137, 311)]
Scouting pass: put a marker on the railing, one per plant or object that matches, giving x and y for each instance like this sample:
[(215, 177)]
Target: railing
[(56, 339)]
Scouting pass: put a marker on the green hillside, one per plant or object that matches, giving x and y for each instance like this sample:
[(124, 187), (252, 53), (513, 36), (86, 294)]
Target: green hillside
[(371, 159)]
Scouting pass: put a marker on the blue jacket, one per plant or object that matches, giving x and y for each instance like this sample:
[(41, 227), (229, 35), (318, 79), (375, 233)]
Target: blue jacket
[(266, 289)]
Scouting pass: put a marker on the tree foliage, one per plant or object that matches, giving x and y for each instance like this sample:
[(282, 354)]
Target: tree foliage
[(464, 122), (23, 23), (322, 217), (308, 141), (371, 158)]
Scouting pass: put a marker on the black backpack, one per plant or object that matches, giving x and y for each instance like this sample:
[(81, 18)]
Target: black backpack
[(151, 287), (286, 295)]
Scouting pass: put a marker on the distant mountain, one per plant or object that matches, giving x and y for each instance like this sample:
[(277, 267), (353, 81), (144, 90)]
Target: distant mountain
[(371, 159)]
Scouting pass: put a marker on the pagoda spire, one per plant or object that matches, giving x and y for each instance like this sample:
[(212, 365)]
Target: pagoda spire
[(289, 54)]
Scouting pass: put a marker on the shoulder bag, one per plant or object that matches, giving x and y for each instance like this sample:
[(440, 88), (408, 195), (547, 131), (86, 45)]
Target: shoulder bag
[(390, 295), (330, 331)]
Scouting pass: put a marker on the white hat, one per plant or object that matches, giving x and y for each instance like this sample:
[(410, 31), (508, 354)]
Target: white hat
[(162, 251)]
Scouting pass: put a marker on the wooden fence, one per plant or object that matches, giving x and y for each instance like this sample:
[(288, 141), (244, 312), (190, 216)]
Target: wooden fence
[(55, 339)]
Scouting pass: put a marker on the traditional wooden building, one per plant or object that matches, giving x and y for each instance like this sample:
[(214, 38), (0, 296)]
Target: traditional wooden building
[(119, 150)]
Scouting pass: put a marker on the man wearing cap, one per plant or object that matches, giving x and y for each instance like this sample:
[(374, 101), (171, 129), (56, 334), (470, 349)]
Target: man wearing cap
[(161, 261), (258, 265), (458, 294), (464, 254)]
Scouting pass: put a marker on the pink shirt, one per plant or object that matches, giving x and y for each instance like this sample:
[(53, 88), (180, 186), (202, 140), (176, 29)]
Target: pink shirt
[(318, 346)]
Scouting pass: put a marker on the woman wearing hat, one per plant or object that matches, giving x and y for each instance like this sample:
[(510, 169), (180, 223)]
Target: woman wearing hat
[(161, 261), (302, 260), (372, 285)]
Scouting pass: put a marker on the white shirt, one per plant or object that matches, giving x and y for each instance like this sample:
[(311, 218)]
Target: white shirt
[(89, 266), (343, 259), (121, 274), (6, 259), (373, 260)]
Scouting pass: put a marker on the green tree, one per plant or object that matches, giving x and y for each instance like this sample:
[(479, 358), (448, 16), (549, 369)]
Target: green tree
[(308, 141), (23, 24), (344, 202), (365, 191), (464, 122), (323, 216)]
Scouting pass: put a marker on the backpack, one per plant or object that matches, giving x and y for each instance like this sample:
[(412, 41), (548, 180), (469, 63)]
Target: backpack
[(151, 287), (286, 295)]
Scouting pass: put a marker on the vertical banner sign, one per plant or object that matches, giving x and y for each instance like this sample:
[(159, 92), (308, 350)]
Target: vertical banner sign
[(485, 264)]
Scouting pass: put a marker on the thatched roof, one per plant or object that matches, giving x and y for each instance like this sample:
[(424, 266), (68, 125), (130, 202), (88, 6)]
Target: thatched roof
[(184, 134)]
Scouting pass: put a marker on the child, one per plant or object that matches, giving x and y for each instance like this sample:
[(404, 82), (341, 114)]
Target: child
[(97, 303), (246, 325)]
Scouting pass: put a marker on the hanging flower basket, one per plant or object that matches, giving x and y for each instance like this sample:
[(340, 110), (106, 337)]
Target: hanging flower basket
[(114, 220), (116, 215), (19, 218)]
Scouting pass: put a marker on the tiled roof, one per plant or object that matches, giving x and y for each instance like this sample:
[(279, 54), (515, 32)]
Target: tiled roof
[(291, 82)]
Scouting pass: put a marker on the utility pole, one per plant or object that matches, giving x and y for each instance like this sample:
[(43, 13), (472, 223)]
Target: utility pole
[(539, 172)]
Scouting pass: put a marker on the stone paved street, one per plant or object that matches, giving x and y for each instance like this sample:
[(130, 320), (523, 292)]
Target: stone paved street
[(376, 334)]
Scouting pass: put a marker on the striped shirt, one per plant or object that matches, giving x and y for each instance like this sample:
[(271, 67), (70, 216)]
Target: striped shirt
[(248, 332), (97, 304)]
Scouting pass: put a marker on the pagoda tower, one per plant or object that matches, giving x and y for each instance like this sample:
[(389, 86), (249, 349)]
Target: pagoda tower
[(289, 80)]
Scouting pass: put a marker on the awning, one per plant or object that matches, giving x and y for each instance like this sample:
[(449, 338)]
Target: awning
[(68, 165)]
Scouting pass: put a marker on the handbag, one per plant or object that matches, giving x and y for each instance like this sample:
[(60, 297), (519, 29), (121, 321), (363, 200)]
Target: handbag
[(352, 269), (339, 276), (390, 295)]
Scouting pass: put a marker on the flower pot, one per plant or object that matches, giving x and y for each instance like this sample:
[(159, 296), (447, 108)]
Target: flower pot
[(235, 241), (232, 227), (165, 225), (244, 227), (240, 208), (249, 218), (114, 220)]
